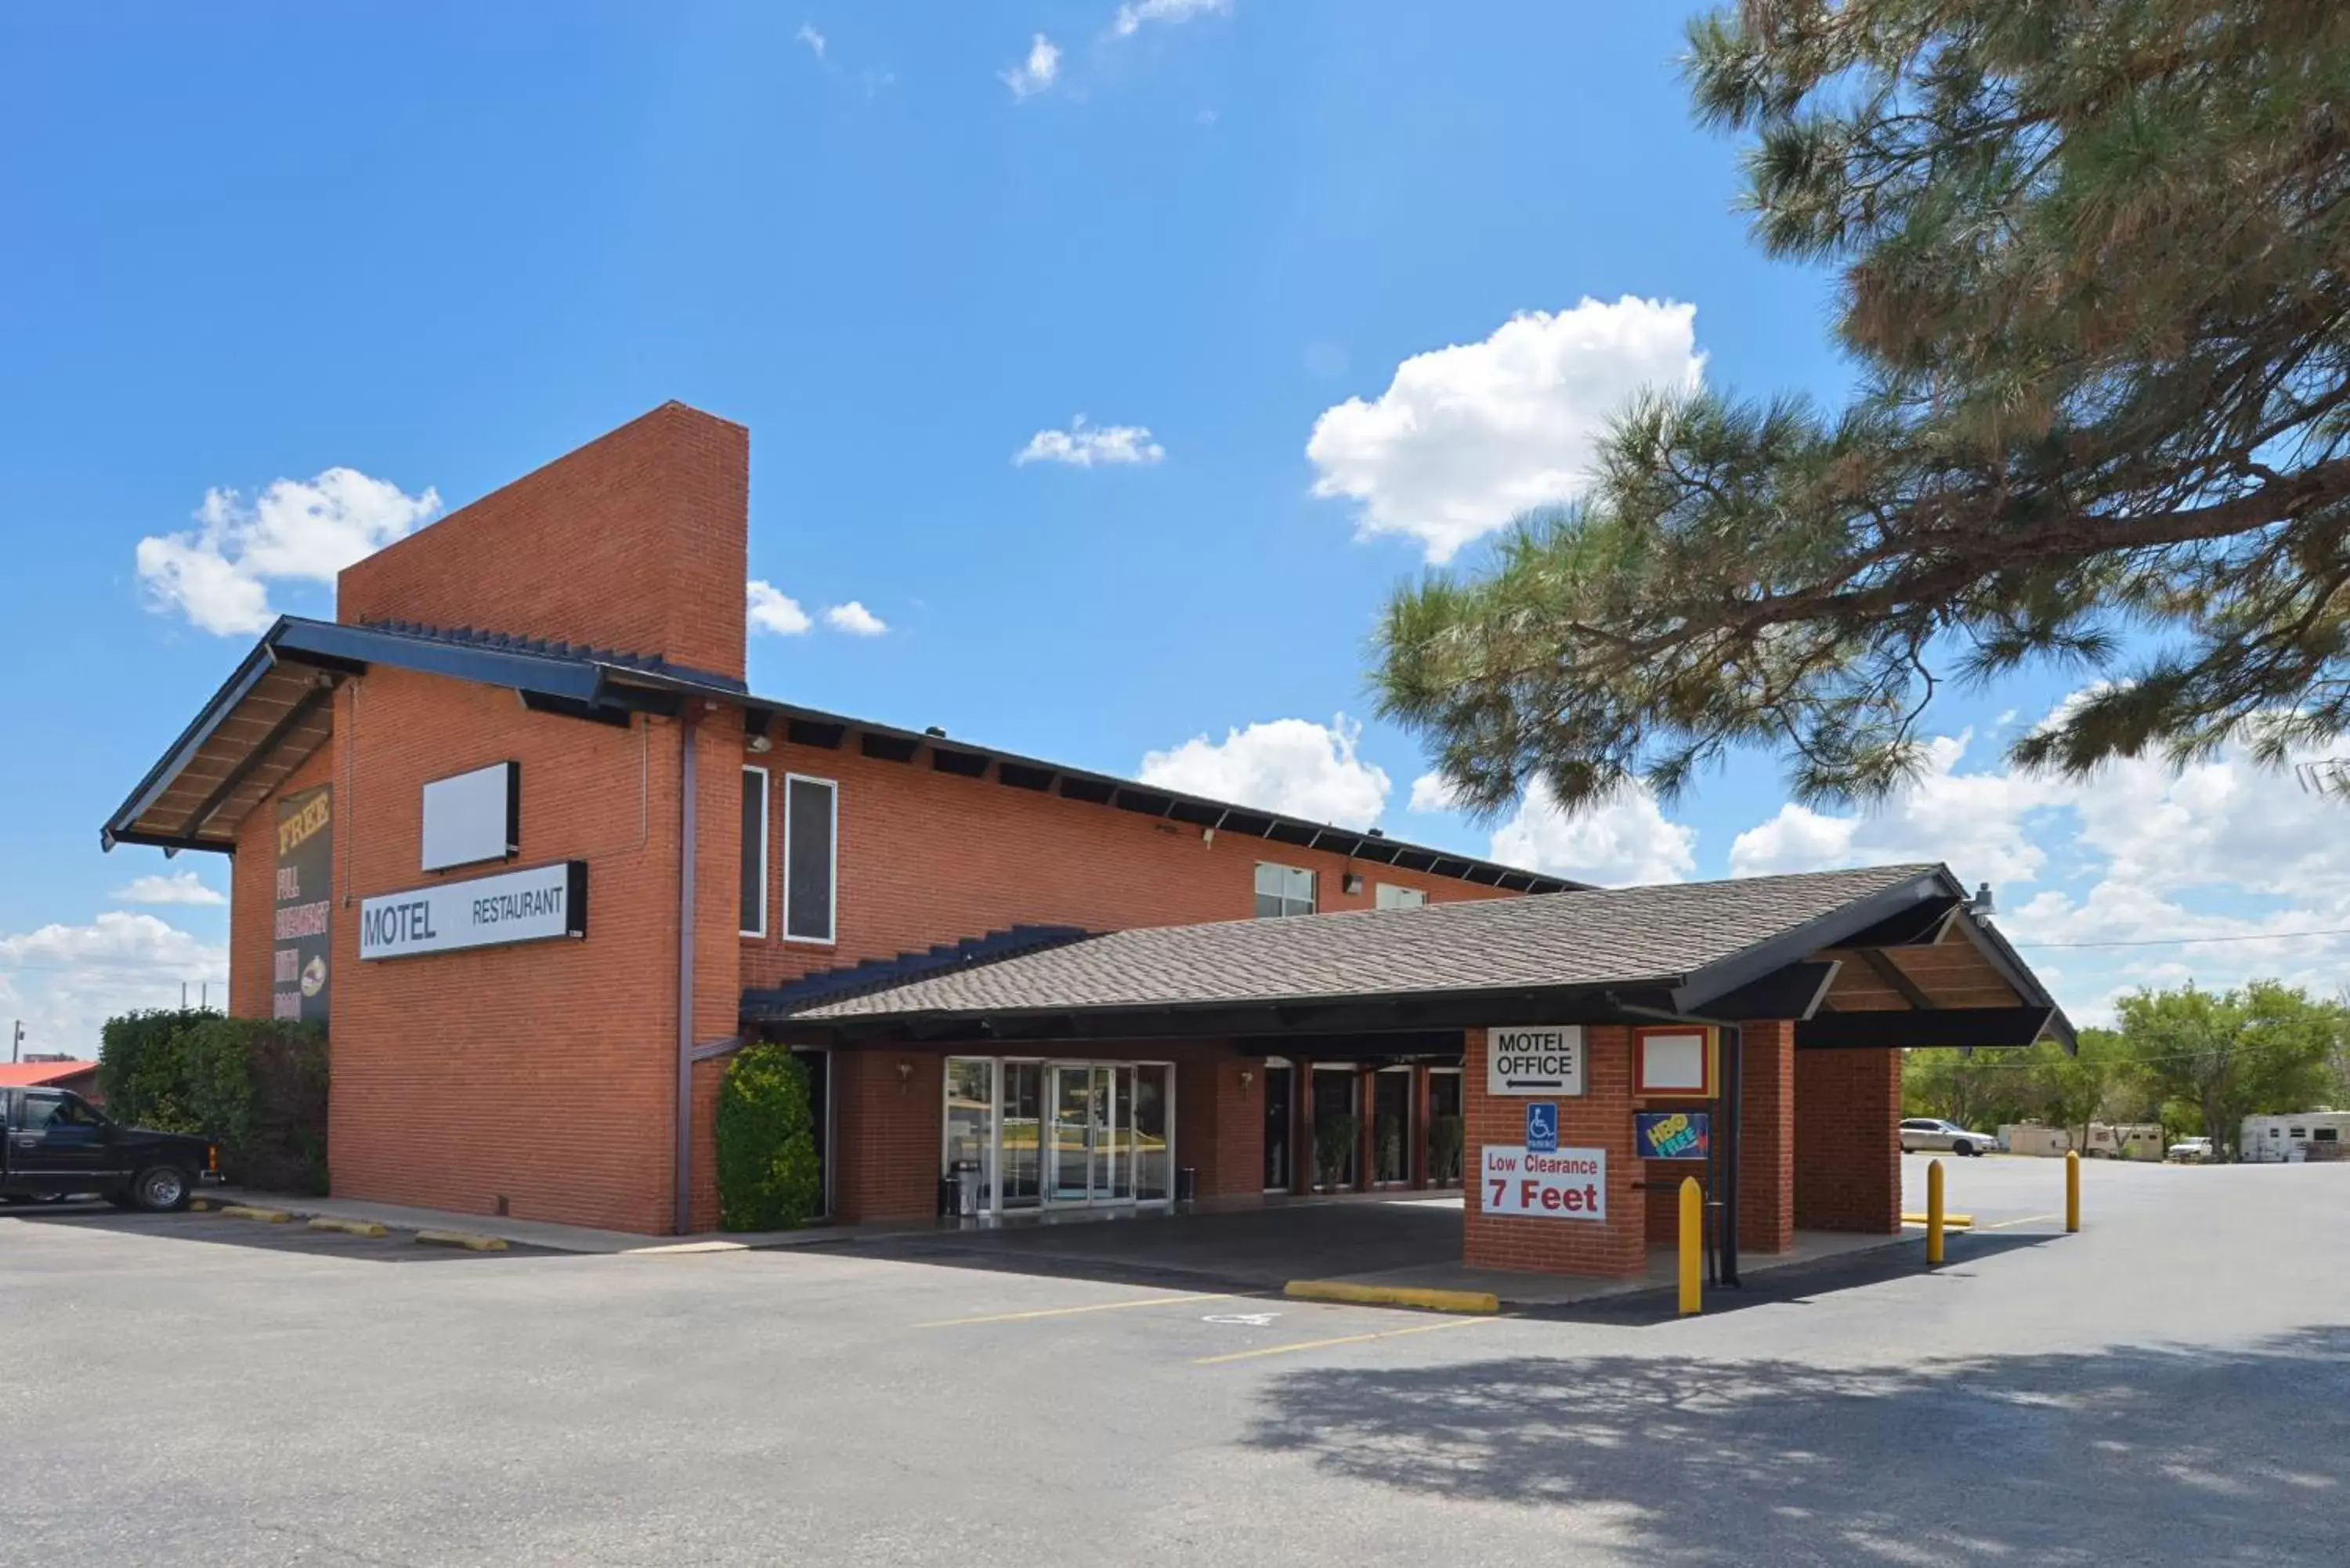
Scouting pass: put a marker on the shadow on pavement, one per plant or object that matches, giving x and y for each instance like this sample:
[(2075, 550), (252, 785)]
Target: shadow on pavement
[(292, 1236), (2132, 1455), (1788, 1283), (1236, 1250)]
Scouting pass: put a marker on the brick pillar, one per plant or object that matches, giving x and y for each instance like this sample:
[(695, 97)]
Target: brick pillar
[(1848, 1141), (886, 1133), (1220, 1127), (1766, 1139), (1301, 1125), (1601, 1117), (1420, 1121)]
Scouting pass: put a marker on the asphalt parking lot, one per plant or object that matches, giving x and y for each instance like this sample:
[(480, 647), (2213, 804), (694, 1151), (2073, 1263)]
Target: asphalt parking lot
[(2168, 1385)]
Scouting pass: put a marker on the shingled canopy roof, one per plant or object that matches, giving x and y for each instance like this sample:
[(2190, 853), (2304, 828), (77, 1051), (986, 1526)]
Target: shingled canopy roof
[(1735, 949)]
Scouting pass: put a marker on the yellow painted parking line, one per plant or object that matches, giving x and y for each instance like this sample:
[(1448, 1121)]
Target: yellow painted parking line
[(2027, 1219), (1341, 1339), (1074, 1311)]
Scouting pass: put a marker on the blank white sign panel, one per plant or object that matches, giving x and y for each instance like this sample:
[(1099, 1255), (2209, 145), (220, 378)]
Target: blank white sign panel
[(1673, 1062), (473, 816)]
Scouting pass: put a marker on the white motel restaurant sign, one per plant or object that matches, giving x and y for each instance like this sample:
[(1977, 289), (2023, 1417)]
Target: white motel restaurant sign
[(533, 905), (1569, 1184), (1535, 1059)]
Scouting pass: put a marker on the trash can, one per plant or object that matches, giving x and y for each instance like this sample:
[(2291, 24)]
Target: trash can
[(964, 1176), (1187, 1183)]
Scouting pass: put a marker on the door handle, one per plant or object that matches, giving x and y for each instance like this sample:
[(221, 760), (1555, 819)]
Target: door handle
[(28, 1140)]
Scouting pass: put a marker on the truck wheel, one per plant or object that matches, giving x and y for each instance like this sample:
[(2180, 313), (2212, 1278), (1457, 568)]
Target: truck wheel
[(160, 1189)]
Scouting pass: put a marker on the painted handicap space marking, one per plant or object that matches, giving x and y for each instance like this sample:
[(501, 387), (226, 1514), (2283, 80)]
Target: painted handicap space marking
[(1244, 1319)]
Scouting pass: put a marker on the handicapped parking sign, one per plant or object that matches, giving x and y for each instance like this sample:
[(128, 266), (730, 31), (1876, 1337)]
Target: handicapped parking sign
[(1542, 1128)]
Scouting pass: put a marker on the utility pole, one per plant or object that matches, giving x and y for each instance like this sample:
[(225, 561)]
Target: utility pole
[(16, 1042)]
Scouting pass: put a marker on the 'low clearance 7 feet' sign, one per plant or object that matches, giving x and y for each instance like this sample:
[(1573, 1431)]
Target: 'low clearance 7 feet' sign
[(1569, 1184)]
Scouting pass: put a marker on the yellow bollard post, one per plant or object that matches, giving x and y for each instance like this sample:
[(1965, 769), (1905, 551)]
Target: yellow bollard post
[(2072, 1190), (1933, 1213), (1692, 1244)]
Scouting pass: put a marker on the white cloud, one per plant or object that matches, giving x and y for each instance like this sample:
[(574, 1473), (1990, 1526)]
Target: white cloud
[(1467, 437), (771, 609), (1624, 840), (1289, 765), (179, 887), (66, 981), (2138, 855), (1035, 74), (1980, 823), (1083, 446), (856, 619), (218, 573), (813, 40), (1133, 15)]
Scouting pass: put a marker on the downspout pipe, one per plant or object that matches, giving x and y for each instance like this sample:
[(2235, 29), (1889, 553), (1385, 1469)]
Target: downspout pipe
[(1733, 1096), (689, 780)]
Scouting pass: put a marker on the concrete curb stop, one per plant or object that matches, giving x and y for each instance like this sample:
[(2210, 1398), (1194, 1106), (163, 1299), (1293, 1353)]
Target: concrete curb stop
[(348, 1227), (1425, 1300), (471, 1243), (247, 1211)]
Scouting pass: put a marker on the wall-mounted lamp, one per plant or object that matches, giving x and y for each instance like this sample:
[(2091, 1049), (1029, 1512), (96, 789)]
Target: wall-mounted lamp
[(1248, 1076), (1352, 881), (1207, 835), (758, 745), (905, 1073)]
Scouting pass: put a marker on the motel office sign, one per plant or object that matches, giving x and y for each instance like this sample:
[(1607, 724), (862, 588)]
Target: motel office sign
[(1535, 1059), (533, 905)]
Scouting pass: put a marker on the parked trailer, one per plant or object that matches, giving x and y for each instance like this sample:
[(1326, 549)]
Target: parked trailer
[(2295, 1136)]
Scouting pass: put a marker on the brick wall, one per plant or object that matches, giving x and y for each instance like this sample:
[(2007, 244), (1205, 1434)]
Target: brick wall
[(1219, 1123), (1601, 1117), (927, 856), (638, 541), (541, 1074), (1848, 1141), (1766, 1139)]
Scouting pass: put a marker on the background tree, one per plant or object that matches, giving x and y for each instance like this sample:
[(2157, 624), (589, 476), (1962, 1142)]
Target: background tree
[(2092, 273), (2222, 1056)]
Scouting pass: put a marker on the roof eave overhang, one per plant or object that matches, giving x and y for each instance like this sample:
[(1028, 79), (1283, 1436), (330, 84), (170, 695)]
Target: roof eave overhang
[(1612, 1002)]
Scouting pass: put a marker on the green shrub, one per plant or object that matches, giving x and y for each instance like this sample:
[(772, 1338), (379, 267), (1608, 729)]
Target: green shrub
[(255, 1086), (767, 1174), (1334, 1145)]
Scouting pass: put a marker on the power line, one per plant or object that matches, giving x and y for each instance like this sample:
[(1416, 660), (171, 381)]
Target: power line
[(2176, 941)]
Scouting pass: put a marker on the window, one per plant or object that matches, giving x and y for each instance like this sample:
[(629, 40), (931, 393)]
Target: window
[(1283, 890), (1391, 896), (754, 852), (40, 1110), (2325, 1134), (811, 823)]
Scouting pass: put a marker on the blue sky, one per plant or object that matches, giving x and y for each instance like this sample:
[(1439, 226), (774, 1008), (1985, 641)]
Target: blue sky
[(436, 244)]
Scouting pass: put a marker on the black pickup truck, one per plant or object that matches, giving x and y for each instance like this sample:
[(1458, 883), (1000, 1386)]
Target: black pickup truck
[(53, 1142)]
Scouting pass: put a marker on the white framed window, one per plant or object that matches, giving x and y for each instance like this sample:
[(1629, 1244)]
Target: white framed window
[(811, 858), (754, 852), (1390, 896), (1282, 890)]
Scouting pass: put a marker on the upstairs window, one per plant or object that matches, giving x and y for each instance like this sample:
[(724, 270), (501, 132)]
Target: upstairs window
[(811, 829), (1391, 896), (754, 852), (1282, 890)]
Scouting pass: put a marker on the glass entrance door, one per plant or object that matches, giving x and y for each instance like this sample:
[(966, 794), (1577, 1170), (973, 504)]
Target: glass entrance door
[(1092, 1133), (1072, 1100)]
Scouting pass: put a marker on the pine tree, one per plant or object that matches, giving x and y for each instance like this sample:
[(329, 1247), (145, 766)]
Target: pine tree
[(2094, 268)]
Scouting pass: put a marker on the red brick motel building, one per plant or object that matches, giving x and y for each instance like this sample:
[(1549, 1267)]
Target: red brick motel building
[(515, 829)]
